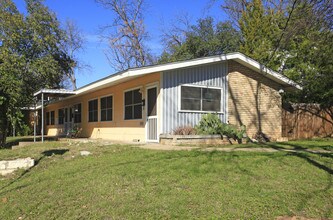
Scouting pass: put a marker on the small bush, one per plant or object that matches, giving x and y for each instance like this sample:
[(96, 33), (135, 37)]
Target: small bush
[(185, 130), (209, 124), (232, 131)]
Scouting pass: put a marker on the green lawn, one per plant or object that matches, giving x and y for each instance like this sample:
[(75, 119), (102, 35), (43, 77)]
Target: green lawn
[(123, 182)]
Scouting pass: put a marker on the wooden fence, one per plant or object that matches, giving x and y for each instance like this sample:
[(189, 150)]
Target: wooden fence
[(300, 121)]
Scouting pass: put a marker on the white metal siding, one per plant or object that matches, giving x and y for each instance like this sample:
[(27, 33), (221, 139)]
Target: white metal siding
[(214, 75)]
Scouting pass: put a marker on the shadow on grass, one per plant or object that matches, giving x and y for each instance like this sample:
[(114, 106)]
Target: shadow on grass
[(46, 153), (303, 153)]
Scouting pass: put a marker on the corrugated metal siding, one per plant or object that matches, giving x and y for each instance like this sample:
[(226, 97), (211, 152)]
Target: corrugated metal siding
[(214, 75)]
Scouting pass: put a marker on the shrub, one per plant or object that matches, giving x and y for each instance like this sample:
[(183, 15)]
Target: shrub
[(184, 130), (209, 124)]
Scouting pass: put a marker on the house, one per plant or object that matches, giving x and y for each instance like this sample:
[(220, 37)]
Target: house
[(141, 103)]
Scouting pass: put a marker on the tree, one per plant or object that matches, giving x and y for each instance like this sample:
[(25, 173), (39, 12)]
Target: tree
[(72, 45), (127, 34), (203, 39), (30, 57)]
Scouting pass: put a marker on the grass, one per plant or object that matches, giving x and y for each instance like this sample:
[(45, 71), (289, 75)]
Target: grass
[(123, 182), (325, 144)]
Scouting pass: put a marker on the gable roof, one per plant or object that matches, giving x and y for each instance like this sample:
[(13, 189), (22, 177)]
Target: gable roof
[(135, 72)]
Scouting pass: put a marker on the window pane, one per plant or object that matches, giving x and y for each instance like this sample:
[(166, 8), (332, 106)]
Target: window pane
[(137, 96), (128, 97), (109, 115), (52, 118), (191, 92), (103, 103), (128, 112), (208, 105), (103, 115), (109, 102), (190, 104), (151, 102), (137, 111), (47, 118), (211, 94)]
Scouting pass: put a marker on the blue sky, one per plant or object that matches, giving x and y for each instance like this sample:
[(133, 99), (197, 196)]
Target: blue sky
[(90, 16)]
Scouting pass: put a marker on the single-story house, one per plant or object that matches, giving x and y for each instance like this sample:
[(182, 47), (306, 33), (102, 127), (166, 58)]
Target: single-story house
[(139, 104)]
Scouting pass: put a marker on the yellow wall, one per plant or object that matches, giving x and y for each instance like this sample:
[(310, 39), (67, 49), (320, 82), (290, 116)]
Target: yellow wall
[(118, 129)]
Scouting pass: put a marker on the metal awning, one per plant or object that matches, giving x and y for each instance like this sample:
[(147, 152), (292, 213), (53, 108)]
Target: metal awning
[(54, 93), (49, 93)]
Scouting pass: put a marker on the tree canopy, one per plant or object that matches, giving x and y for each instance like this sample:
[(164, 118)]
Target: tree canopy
[(30, 57)]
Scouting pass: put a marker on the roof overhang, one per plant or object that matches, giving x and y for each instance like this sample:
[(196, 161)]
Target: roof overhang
[(54, 93), (136, 72)]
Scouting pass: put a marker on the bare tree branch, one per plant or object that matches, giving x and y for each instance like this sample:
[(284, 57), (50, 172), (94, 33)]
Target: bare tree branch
[(127, 35)]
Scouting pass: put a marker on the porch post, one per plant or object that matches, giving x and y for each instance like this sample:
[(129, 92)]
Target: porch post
[(35, 115), (42, 117)]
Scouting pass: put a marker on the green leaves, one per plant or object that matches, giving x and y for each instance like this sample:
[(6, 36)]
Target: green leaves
[(206, 38), (31, 57)]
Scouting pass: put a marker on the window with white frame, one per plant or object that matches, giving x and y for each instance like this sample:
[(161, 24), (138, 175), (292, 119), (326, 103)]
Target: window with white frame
[(133, 104), (200, 99), (93, 110), (106, 108)]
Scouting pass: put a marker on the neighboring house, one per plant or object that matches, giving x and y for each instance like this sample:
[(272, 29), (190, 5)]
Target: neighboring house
[(142, 103)]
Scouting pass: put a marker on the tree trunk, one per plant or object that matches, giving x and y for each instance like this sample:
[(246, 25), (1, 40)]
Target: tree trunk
[(3, 129)]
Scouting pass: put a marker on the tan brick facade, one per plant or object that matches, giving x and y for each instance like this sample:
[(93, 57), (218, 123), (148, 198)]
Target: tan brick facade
[(254, 101)]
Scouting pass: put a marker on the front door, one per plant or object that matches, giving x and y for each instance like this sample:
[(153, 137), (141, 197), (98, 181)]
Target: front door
[(151, 124), (68, 120)]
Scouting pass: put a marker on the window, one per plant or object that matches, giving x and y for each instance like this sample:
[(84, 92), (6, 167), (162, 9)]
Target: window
[(106, 108), (200, 99), (47, 118), (52, 118), (133, 104), (93, 110), (61, 116), (77, 113), (66, 115)]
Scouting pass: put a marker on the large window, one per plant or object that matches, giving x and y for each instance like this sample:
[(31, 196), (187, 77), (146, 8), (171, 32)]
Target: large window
[(133, 104), (52, 118), (93, 110), (77, 113), (200, 99), (106, 108), (61, 115)]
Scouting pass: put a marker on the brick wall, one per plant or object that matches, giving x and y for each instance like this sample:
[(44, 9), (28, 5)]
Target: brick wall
[(254, 101)]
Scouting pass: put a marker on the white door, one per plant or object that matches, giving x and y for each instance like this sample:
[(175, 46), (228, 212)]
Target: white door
[(151, 123), (68, 120)]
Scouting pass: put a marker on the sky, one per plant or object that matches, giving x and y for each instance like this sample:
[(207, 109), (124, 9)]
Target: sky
[(90, 17)]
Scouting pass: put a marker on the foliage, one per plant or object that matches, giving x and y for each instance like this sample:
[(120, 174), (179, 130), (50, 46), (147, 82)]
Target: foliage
[(212, 124), (235, 185), (30, 57), (209, 124), (206, 38), (184, 130)]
